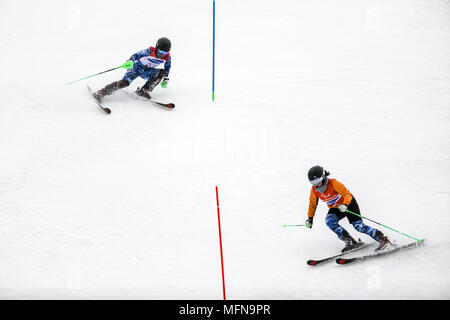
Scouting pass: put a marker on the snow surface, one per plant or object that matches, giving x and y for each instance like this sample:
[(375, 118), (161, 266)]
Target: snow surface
[(123, 206)]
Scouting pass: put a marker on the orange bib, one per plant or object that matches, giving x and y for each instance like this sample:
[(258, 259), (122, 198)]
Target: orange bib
[(335, 195), (332, 198)]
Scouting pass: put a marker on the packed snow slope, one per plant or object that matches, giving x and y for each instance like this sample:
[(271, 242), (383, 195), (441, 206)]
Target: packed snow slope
[(123, 206)]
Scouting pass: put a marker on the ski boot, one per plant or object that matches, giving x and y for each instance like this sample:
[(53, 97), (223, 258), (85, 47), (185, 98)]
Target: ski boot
[(351, 243), (99, 95), (383, 241), (150, 85), (143, 92)]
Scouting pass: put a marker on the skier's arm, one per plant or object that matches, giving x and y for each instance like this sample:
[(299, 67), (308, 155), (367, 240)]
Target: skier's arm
[(167, 66), (140, 54), (342, 190), (312, 204)]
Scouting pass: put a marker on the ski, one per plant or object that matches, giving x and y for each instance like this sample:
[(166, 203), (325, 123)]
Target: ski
[(165, 105), (106, 110), (313, 262), (161, 104), (343, 261)]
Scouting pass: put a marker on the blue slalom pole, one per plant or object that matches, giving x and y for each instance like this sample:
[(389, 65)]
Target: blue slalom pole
[(214, 46)]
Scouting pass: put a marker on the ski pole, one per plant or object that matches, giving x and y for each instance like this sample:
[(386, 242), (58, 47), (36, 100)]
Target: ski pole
[(418, 240), (293, 225), (127, 65)]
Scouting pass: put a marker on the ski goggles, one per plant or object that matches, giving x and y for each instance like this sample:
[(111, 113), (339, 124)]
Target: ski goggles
[(160, 53), (316, 181)]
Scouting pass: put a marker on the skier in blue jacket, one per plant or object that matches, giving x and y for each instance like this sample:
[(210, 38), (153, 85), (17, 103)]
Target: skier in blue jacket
[(145, 65)]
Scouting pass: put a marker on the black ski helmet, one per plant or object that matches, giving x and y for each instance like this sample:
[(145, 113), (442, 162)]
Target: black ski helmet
[(163, 44), (316, 174)]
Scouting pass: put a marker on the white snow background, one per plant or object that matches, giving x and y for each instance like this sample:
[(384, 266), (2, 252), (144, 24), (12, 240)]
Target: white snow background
[(123, 206)]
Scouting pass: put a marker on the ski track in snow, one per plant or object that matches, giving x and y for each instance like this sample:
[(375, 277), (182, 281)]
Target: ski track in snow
[(123, 206)]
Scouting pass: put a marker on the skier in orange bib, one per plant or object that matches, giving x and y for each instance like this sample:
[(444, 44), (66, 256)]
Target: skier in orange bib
[(339, 200)]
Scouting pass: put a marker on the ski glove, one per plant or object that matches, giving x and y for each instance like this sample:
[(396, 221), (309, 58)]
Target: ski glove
[(342, 208), (309, 223), (128, 65), (164, 82)]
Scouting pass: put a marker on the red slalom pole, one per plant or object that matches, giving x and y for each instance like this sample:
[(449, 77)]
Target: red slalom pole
[(220, 241)]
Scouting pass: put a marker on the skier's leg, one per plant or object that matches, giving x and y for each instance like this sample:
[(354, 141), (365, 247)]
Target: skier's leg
[(153, 80), (376, 234), (129, 76), (363, 228), (360, 226), (332, 221), (110, 88), (357, 222)]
